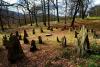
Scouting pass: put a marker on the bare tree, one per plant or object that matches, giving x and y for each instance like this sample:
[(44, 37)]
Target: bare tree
[(1, 22), (18, 16), (48, 5), (65, 11)]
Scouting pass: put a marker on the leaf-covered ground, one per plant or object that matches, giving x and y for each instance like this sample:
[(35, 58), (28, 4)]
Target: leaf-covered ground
[(50, 53)]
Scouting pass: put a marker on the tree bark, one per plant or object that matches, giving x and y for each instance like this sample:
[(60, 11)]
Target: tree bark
[(57, 10), (48, 14)]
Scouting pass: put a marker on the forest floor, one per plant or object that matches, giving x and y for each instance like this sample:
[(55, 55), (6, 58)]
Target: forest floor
[(51, 54)]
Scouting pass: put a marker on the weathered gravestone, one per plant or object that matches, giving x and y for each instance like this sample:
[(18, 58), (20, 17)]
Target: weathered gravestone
[(41, 30), (33, 30), (82, 43), (25, 33), (58, 39), (51, 29), (17, 33), (11, 34), (26, 41), (40, 40), (15, 51), (5, 41), (48, 28), (33, 46), (20, 37), (63, 42), (76, 33)]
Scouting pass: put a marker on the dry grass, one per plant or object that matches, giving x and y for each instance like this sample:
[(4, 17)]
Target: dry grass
[(51, 49)]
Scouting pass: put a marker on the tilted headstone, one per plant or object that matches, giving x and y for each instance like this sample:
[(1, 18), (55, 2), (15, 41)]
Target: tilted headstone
[(58, 39), (63, 42)]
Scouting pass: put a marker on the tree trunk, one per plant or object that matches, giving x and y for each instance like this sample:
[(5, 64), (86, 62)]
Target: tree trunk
[(74, 16), (35, 15), (24, 17), (1, 23), (44, 12), (19, 17), (48, 15), (57, 10), (66, 12)]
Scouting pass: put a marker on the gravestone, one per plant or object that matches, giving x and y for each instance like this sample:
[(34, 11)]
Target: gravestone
[(15, 51), (76, 33), (41, 30), (83, 44), (17, 34), (33, 30), (11, 34), (25, 33), (51, 29), (63, 42), (5, 41), (40, 40), (20, 37), (58, 39), (33, 46), (26, 41)]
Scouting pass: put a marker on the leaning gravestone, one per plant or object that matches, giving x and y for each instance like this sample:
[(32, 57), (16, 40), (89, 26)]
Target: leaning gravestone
[(63, 42), (58, 39), (33, 46), (15, 51), (83, 42)]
